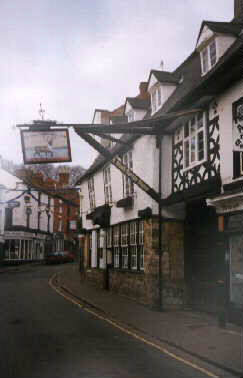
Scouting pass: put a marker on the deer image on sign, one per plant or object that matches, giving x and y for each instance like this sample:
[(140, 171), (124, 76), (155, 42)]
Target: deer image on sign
[(50, 146)]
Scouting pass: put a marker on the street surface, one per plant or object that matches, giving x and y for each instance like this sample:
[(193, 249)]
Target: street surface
[(45, 336)]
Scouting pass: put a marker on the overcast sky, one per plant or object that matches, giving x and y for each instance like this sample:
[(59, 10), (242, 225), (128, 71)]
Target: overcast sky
[(77, 55)]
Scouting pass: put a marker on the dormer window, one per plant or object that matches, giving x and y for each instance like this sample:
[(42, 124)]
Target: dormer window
[(209, 57), (130, 116), (156, 99)]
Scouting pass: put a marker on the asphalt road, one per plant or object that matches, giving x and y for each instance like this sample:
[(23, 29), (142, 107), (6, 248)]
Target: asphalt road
[(43, 335)]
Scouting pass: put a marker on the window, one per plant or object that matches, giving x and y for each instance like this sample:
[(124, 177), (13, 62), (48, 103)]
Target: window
[(107, 185), (124, 245), (133, 245), (141, 245), (91, 193), (209, 57), (116, 240), (128, 187), (128, 245), (130, 116), (194, 143), (156, 99)]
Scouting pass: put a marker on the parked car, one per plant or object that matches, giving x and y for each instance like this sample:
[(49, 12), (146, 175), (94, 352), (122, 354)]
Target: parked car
[(68, 256), (59, 257), (54, 258)]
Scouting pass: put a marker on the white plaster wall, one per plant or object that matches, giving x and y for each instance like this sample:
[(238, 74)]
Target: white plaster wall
[(94, 250), (223, 42), (225, 123), (166, 91), (145, 165), (206, 34), (97, 117), (19, 213), (139, 115), (166, 166), (152, 82)]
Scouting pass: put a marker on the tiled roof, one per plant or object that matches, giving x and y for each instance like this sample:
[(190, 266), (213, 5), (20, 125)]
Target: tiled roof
[(139, 103), (118, 119), (223, 27), (192, 85), (165, 76)]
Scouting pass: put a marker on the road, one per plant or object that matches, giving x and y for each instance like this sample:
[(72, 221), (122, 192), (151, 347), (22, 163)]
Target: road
[(44, 336)]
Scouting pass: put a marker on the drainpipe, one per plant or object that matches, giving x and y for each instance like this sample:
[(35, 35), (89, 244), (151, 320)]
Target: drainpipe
[(159, 138)]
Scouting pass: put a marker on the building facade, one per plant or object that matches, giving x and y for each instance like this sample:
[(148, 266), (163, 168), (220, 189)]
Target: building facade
[(27, 223), (190, 254)]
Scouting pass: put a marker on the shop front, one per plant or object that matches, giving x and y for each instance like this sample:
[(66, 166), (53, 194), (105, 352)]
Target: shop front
[(23, 247)]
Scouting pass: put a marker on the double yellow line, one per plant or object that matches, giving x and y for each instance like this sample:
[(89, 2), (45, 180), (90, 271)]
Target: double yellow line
[(131, 333)]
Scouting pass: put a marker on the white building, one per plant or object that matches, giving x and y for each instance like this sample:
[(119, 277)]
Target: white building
[(26, 222), (198, 111)]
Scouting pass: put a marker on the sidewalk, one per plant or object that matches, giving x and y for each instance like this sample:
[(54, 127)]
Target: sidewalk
[(193, 332)]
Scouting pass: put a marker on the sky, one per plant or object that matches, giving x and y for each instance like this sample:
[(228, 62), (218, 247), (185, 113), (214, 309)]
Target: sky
[(77, 55)]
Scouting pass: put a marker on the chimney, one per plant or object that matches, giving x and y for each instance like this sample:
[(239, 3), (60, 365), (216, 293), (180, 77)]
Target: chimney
[(143, 90), (238, 10)]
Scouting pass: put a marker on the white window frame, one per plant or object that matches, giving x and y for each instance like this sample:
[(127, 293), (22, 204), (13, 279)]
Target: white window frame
[(107, 184), (191, 141), (124, 252), (133, 245), (128, 185), (130, 116), (116, 240), (124, 245), (206, 52), (91, 190), (141, 244), (156, 98)]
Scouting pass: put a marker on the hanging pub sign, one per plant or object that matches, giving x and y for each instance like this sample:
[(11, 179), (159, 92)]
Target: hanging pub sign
[(238, 125), (47, 146)]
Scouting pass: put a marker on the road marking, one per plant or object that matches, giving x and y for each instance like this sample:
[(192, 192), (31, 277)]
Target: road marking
[(131, 333)]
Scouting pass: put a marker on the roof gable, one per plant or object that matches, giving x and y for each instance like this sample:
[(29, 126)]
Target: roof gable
[(162, 77), (208, 28)]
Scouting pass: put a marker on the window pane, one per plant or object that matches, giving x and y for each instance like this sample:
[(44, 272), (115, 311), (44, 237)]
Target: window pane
[(212, 53), (134, 257), (193, 149), (200, 120), (186, 130), (193, 125), (205, 60), (200, 146), (186, 153)]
